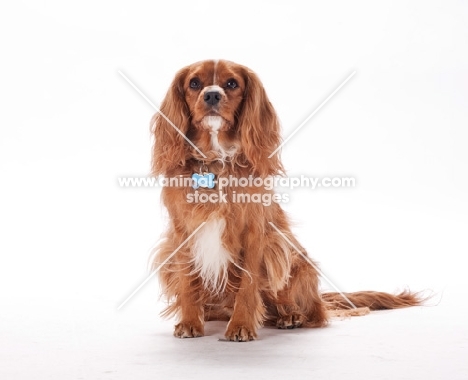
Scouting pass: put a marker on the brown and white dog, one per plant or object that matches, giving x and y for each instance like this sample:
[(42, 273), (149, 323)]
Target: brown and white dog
[(243, 264)]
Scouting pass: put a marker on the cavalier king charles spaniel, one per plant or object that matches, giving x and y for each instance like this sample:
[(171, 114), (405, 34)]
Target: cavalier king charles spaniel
[(222, 259)]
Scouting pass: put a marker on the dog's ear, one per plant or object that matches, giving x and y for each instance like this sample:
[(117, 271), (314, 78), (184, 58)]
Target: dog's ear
[(259, 128), (170, 148)]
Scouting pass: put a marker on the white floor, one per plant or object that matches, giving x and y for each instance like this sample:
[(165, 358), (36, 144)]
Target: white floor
[(90, 339)]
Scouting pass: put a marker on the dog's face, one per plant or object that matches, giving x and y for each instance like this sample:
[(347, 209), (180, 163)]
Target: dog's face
[(222, 109), (214, 91)]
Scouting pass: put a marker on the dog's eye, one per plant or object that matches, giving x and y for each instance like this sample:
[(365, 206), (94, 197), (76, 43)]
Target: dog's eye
[(195, 83), (231, 83)]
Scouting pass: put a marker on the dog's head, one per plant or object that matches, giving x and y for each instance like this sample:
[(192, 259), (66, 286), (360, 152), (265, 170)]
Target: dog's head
[(216, 109)]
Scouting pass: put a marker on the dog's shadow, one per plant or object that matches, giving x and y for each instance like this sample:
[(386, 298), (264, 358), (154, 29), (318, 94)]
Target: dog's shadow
[(212, 351)]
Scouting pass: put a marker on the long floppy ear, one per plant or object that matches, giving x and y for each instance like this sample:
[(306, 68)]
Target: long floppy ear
[(259, 128), (169, 149)]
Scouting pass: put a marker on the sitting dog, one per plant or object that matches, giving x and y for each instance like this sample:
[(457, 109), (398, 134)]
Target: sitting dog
[(227, 260)]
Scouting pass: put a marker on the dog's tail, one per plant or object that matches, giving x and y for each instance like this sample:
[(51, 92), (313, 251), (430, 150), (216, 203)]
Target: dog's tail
[(360, 303)]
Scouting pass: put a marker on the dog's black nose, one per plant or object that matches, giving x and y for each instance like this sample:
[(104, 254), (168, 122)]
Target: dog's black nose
[(212, 97)]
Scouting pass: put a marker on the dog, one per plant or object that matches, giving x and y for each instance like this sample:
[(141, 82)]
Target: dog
[(221, 259)]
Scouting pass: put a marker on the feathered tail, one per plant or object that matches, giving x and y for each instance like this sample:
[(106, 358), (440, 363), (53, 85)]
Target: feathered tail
[(364, 301)]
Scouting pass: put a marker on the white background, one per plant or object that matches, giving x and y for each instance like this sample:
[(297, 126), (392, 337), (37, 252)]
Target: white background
[(74, 245)]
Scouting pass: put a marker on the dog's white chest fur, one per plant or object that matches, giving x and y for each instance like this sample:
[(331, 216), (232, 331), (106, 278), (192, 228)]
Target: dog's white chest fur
[(210, 258)]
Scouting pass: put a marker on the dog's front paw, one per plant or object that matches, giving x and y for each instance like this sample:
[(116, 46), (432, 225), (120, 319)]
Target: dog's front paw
[(290, 321), (240, 333), (188, 330)]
